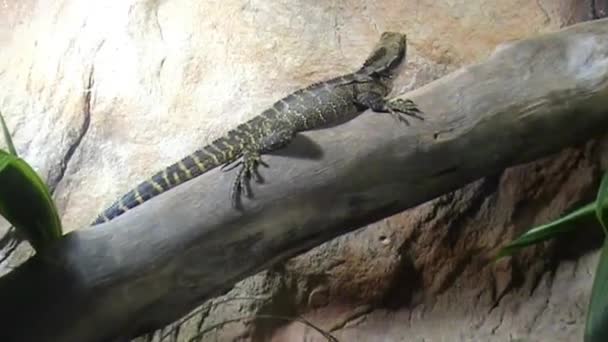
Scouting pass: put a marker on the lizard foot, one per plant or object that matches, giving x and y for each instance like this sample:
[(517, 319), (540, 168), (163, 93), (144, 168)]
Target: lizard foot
[(400, 109), (248, 168)]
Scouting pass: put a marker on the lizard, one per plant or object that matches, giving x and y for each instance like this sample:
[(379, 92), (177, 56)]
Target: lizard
[(315, 106)]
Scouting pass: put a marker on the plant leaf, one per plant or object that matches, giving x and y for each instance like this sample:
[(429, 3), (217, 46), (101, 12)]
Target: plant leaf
[(7, 136), (596, 326), (26, 202), (549, 230), (602, 196)]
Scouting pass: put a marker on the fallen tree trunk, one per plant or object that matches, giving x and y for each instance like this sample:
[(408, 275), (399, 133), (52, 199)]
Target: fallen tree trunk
[(157, 262)]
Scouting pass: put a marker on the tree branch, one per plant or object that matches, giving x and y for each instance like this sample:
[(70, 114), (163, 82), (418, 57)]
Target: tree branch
[(154, 264)]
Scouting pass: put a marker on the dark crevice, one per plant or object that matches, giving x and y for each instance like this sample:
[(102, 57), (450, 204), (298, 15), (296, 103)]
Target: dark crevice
[(204, 314), (160, 28), (481, 193), (599, 9), (9, 243), (538, 315), (86, 109), (406, 280), (8, 239), (517, 279)]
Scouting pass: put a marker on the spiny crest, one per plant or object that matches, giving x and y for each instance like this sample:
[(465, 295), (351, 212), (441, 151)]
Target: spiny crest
[(388, 53)]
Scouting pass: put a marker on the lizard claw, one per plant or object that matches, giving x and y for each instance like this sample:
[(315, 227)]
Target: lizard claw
[(400, 109), (398, 116), (241, 184)]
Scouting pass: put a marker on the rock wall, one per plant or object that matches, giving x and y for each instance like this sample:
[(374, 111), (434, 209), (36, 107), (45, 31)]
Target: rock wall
[(99, 95)]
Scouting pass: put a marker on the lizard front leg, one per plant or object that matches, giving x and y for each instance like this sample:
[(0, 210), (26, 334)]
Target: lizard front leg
[(398, 108), (251, 158)]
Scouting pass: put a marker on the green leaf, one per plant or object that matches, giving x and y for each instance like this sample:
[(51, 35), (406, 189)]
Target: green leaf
[(26, 202), (7, 136), (602, 196), (549, 230), (596, 327)]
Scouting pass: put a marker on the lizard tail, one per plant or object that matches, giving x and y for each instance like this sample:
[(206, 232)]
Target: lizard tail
[(191, 166)]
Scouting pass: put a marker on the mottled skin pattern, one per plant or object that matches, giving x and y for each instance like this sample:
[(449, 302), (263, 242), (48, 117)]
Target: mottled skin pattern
[(320, 104)]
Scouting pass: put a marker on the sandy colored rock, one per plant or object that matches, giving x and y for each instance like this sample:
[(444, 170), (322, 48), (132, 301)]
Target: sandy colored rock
[(166, 77)]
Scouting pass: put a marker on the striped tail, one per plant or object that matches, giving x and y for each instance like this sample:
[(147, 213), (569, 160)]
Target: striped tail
[(217, 153)]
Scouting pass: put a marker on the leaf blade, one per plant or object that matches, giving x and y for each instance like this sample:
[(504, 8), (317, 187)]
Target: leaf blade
[(26, 202), (7, 136), (596, 325), (549, 230), (602, 196)]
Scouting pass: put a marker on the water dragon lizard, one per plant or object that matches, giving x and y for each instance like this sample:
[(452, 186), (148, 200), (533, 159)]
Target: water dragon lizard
[(313, 107)]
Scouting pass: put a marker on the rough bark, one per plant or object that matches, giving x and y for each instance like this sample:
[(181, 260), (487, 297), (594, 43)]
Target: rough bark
[(145, 269)]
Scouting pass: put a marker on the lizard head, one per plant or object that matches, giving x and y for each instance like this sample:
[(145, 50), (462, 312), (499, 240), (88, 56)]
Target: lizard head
[(387, 56)]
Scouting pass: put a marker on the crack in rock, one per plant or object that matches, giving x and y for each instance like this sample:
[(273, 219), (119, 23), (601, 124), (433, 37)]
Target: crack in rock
[(86, 109)]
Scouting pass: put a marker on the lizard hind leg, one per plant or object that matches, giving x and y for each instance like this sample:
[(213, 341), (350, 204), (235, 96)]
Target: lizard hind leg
[(248, 167), (250, 160)]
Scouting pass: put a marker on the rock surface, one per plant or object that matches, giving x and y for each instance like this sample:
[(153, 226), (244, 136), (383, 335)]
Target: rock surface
[(165, 77)]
